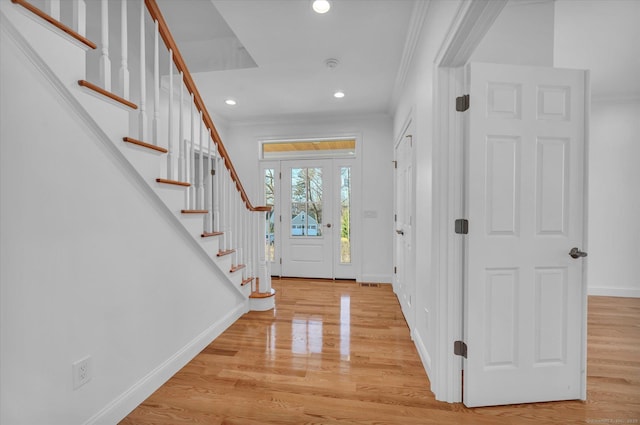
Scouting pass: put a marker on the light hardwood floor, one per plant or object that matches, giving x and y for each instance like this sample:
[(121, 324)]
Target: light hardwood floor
[(339, 353)]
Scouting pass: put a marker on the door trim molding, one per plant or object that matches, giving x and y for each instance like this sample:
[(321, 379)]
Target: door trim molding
[(472, 21)]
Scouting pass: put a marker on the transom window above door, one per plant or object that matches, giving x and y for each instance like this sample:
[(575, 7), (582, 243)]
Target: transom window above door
[(308, 148)]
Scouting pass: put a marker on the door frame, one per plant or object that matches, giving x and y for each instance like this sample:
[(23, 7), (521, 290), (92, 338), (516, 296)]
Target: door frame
[(473, 20), (356, 201)]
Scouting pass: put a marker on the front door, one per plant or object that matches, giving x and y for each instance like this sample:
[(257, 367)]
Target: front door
[(307, 210), (525, 296)]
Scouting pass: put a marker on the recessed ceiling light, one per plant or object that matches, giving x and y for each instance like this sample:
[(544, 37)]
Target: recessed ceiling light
[(230, 102), (339, 94), (321, 6)]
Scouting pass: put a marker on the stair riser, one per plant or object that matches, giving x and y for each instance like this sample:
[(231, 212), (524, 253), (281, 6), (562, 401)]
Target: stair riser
[(210, 245), (144, 160), (194, 223), (172, 195)]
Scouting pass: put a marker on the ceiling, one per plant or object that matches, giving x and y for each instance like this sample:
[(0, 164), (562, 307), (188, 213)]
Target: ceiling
[(286, 46), (269, 55)]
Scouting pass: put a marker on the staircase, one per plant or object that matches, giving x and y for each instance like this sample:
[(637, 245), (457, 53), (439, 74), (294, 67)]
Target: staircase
[(144, 100)]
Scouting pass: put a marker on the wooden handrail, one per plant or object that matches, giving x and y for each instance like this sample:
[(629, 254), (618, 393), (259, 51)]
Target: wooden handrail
[(55, 23), (170, 43)]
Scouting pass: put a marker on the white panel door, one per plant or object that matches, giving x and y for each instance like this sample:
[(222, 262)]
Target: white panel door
[(525, 296), (307, 230), (404, 265)]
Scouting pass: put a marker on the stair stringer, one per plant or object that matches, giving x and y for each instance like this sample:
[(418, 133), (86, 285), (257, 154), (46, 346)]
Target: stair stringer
[(109, 130), (45, 374)]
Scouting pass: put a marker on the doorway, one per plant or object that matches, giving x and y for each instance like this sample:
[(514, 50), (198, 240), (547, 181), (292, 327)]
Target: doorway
[(524, 286), (310, 232), (404, 258)]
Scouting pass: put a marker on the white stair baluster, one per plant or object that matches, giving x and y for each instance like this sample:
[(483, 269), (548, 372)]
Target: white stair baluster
[(124, 43), (239, 244), (250, 272), (181, 149), (105, 61), (200, 195), (142, 123), (245, 272), (52, 7), (207, 186), (155, 126), (209, 190), (192, 158), (216, 192), (240, 231), (222, 218), (229, 209), (170, 173), (80, 17), (234, 214), (225, 206)]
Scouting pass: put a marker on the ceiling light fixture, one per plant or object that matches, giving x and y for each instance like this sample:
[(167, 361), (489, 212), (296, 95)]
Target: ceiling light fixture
[(339, 94), (321, 6), (230, 102)]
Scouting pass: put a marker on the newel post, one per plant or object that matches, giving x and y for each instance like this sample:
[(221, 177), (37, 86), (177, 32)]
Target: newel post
[(264, 272)]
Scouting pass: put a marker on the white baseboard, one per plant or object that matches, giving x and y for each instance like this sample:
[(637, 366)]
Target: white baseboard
[(376, 278), (115, 411), (424, 355), (614, 292)]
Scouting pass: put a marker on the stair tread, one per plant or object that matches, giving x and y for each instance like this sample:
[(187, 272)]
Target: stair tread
[(246, 281), (223, 252), (209, 234), (103, 92), (237, 267), (144, 144), (257, 294), (173, 182), (194, 211)]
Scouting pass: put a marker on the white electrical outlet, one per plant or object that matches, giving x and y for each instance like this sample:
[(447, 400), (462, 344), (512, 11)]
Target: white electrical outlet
[(81, 372)]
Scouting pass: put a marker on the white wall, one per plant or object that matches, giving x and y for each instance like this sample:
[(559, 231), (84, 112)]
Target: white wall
[(416, 100), (91, 264), (375, 132), (603, 37), (521, 35), (614, 198)]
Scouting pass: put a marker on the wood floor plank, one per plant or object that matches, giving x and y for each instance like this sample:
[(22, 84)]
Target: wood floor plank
[(336, 353)]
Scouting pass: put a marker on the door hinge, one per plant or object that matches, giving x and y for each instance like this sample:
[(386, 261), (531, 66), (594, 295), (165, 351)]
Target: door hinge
[(280, 175), (395, 270), (460, 348), (213, 172), (395, 218), (395, 164), (281, 261), (280, 219), (462, 103), (462, 226)]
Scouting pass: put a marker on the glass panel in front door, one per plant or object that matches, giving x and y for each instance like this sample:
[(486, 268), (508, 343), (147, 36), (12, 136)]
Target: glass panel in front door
[(306, 202)]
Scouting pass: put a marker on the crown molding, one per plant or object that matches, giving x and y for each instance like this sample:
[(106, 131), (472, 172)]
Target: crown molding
[(418, 16)]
